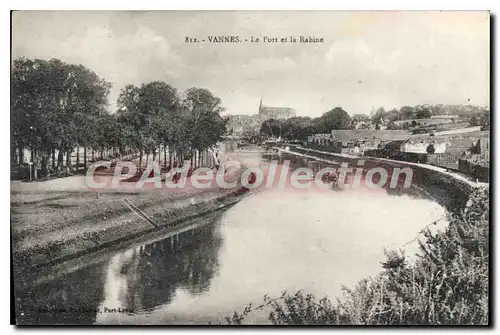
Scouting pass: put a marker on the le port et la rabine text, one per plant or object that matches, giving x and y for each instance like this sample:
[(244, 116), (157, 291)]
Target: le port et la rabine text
[(253, 39)]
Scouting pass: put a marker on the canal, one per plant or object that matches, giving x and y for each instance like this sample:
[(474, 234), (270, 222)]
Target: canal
[(273, 240)]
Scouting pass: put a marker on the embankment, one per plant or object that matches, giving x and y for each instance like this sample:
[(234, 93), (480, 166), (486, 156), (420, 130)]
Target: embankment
[(82, 225)]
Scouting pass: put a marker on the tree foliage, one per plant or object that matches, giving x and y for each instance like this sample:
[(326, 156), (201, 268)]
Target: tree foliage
[(58, 106), (55, 106)]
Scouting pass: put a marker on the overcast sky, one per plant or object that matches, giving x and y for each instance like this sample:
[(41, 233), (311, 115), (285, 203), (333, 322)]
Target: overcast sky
[(368, 59)]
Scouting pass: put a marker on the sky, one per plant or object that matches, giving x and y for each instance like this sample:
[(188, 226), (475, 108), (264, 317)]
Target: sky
[(367, 60)]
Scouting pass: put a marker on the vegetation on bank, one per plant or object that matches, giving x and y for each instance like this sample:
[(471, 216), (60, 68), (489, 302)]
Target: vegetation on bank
[(446, 285)]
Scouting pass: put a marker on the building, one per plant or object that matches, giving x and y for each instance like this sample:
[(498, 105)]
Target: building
[(361, 135), (320, 139), (356, 141), (239, 125), (420, 146), (267, 112)]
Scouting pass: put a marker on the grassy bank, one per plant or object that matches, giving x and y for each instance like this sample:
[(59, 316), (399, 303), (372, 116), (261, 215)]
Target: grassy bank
[(446, 285)]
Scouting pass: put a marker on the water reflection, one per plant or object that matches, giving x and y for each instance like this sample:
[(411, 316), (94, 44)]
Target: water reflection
[(134, 281), (145, 277)]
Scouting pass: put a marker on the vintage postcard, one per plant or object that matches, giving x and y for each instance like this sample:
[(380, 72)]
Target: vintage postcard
[(250, 167)]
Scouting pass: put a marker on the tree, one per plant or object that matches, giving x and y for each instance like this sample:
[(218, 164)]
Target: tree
[(393, 115), (407, 112), (271, 128), (337, 118), (148, 114), (430, 149), (358, 119), (485, 120), (473, 121), (378, 117), (423, 112), (51, 100), (206, 125), (297, 128)]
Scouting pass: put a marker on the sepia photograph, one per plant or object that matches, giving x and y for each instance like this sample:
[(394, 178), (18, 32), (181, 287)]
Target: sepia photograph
[(250, 168)]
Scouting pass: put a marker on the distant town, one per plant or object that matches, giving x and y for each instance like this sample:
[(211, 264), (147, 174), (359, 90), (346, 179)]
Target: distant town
[(451, 136)]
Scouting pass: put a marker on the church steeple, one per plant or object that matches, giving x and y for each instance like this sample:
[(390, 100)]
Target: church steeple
[(260, 105)]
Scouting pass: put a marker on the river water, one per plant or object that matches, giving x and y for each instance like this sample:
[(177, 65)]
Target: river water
[(273, 240)]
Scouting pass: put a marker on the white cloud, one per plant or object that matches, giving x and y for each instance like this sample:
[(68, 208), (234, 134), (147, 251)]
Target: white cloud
[(271, 64), (358, 56)]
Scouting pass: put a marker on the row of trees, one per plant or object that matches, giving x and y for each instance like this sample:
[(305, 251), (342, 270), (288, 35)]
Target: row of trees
[(57, 107)]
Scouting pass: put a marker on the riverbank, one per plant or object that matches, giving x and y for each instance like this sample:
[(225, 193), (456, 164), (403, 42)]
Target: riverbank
[(56, 225)]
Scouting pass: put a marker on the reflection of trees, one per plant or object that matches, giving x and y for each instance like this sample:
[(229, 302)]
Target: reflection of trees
[(149, 276), (71, 299), (139, 278), (202, 262)]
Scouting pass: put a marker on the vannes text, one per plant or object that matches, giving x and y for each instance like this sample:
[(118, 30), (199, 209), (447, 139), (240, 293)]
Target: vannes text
[(252, 39)]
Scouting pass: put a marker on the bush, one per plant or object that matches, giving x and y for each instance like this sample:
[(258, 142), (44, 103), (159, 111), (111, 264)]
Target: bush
[(446, 285), (430, 149)]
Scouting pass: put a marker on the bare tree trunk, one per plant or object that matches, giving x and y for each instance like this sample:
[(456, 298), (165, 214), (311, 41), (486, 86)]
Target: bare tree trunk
[(13, 156), (34, 163), (165, 156), (53, 158), (140, 159), (60, 159), (45, 161), (77, 157), (21, 155), (93, 155), (170, 157), (85, 157), (68, 161)]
